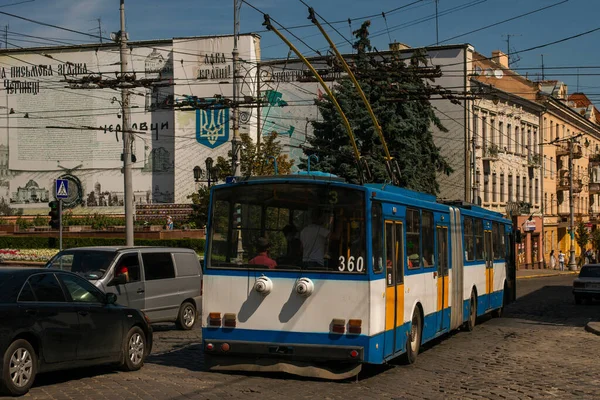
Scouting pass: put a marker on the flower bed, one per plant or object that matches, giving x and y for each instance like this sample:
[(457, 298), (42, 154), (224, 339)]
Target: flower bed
[(40, 255)]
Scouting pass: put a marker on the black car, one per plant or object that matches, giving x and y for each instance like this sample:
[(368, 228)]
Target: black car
[(53, 320)]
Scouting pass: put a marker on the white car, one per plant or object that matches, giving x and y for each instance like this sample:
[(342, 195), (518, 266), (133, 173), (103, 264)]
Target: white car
[(587, 285)]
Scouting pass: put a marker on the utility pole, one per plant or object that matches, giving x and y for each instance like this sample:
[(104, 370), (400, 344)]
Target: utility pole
[(474, 160), (235, 141), (572, 264), (437, 37), (127, 139)]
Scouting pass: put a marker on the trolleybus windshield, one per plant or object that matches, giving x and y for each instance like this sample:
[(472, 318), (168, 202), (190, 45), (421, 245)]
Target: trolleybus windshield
[(288, 226)]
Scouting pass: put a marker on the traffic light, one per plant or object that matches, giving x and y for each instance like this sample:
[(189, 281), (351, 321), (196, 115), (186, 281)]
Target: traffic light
[(54, 214)]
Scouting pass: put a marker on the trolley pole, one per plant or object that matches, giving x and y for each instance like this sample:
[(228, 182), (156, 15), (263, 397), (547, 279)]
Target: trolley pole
[(127, 139), (235, 141), (572, 264)]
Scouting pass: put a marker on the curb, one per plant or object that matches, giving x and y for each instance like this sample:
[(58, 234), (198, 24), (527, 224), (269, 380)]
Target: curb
[(593, 327), (548, 275)]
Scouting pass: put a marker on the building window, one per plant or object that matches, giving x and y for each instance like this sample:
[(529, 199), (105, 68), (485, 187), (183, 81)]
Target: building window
[(501, 135), (545, 209), (486, 183), (502, 188), (475, 128), (518, 188), (523, 141), (535, 142), (551, 128), (510, 187), (524, 194), (484, 143), (545, 166), (552, 203), (529, 146), (551, 167), (517, 140), (493, 132), (545, 128), (509, 137), (537, 194), (494, 191)]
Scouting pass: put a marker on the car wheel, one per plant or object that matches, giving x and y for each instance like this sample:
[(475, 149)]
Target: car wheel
[(19, 368), (413, 342), (578, 300), (470, 324), (187, 316), (134, 349)]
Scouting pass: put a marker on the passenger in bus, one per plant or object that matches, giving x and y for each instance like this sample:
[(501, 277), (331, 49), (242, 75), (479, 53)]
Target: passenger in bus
[(315, 240), (262, 258)]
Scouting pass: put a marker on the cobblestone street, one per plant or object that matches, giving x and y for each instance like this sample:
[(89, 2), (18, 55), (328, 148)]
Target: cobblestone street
[(538, 350)]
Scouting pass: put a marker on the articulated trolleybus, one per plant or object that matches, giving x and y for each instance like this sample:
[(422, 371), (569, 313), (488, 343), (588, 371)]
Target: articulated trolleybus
[(310, 275)]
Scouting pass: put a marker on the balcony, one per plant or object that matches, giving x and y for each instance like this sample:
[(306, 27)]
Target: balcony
[(594, 187), (563, 150), (564, 184), (491, 152), (594, 160), (534, 161)]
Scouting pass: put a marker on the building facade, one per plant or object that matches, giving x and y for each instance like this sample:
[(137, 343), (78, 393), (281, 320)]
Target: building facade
[(52, 131)]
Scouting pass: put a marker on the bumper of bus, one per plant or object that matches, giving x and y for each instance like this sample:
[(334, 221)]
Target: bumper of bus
[(284, 351)]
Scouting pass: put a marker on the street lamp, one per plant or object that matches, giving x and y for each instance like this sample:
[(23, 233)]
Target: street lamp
[(210, 172)]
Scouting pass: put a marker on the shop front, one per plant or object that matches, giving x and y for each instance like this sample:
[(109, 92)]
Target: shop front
[(550, 240)]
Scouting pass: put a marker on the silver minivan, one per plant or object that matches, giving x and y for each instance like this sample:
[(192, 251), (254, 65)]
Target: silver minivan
[(165, 283)]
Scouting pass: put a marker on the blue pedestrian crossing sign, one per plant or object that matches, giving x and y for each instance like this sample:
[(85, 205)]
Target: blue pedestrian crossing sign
[(62, 188)]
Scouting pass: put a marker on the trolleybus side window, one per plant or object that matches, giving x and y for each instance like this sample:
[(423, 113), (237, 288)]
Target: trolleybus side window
[(376, 232), (479, 250), (399, 254), (428, 237), (389, 253), (469, 239), (413, 238), (497, 241)]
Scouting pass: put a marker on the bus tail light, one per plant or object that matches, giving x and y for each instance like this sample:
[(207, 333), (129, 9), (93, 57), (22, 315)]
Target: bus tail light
[(354, 354), (214, 319), (209, 346), (355, 326), (338, 325), (229, 320)]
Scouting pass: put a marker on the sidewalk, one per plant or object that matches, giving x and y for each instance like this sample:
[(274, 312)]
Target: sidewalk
[(593, 327), (539, 273)]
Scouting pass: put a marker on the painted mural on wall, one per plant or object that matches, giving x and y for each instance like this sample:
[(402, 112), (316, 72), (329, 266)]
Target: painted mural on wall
[(51, 130)]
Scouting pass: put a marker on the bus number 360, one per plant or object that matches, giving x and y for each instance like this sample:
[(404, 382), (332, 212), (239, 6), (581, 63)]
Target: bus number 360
[(358, 264)]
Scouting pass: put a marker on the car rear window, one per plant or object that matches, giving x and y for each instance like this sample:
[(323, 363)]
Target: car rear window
[(187, 264), (590, 272)]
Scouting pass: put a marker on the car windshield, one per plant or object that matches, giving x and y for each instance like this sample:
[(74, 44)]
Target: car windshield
[(91, 264), (590, 271), (288, 226)]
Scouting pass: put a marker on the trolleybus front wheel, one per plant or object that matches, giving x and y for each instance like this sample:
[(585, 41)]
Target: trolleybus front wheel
[(413, 342)]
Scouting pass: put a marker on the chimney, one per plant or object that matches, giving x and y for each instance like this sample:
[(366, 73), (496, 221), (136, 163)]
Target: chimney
[(396, 46), (500, 58)]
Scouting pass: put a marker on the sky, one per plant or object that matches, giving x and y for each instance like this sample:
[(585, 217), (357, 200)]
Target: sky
[(413, 24)]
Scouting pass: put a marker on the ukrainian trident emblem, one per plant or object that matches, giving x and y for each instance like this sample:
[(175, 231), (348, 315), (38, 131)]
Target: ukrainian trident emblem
[(212, 127)]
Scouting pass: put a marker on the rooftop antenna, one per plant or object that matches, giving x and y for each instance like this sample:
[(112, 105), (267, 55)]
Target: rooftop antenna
[(508, 35)]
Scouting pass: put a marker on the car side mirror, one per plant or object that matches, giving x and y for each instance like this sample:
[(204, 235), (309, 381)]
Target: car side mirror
[(120, 279), (111, 298)]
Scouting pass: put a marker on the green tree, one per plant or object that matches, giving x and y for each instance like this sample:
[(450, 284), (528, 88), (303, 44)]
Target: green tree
[(596, 241), (582, 237), (398, 93), (200, 199)]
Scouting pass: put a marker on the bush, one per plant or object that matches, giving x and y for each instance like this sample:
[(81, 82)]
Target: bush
[(16, 242)]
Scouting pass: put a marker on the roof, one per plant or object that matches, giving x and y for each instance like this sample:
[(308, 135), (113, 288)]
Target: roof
[(123, 248), (584, 106)]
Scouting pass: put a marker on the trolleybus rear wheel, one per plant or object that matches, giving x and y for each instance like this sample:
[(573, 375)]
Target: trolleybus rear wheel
[(470, 324), (413, 342)]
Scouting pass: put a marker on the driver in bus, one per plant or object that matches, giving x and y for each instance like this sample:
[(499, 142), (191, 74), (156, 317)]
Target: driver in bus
[(315, 240)]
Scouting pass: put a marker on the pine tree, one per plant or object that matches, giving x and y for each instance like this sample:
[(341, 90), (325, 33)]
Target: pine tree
[(398, 94)]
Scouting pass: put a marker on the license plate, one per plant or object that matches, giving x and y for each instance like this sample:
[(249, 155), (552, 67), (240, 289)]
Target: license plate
[(593, 285)]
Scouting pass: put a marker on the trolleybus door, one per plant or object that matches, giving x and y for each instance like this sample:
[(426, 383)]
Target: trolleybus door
[(443, 278), (489, 268), (394, 293)]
